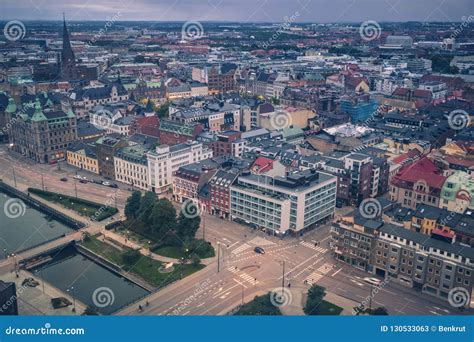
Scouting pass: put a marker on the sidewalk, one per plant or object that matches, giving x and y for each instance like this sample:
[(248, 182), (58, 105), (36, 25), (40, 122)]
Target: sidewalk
[(295, 307)]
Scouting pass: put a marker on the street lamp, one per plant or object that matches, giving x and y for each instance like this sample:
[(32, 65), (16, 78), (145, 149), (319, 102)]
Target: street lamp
[(71, 289), (5, 252)]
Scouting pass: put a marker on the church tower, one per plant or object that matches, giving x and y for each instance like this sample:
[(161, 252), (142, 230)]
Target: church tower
[(68, 60)]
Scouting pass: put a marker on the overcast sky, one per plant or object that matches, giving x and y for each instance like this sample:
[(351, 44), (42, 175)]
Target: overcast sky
[(240, 10)]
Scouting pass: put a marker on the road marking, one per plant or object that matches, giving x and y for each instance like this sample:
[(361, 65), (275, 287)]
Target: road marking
[(233, 244), (313, 247), (339, 270), (198, 306), (313, 278), (241, 248), (241, 284)]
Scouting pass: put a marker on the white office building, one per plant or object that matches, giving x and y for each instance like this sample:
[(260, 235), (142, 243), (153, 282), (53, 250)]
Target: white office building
[(301, 200)]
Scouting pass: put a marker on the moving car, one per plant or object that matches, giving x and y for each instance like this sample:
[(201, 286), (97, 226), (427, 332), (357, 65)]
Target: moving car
[(63, 179), (77, 177), (259, 250), (373, 281)]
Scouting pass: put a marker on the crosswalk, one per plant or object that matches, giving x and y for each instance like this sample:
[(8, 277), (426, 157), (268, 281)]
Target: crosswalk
[(247, 277), (241, 248), (319, 273), (313, 247)]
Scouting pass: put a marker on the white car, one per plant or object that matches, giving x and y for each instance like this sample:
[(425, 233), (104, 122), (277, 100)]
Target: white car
[(106, 183), (373, 281), (77, 177)]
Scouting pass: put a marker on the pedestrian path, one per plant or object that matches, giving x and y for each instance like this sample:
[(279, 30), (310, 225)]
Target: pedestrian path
[(318, 274), (247, 277), (313, 247), (241, 248)]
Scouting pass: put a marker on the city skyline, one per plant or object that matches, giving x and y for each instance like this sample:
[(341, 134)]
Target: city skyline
[(343, 11)]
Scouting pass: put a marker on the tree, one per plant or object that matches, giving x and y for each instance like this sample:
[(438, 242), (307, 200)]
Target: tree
[(146, 207), (163, 219), (133, 205), (195, 260), (163, 110), (315, 295), (131, 256), (187, 226), (150, 106)]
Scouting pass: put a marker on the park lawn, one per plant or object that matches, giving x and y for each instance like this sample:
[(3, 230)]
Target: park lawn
[(259, 306), (103, 249), (93, 210), (137, 231), (326, 308), (145, 268), (178, 252)]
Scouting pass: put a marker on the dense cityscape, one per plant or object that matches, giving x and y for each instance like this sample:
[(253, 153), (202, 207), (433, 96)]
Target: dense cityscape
[(236, 168)]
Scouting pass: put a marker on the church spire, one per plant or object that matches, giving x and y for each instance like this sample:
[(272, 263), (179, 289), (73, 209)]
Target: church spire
[(68, 60)]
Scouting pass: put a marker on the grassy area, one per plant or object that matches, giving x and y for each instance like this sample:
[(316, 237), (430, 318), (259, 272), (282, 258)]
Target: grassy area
[(137, 232), (145, 268), (326, 308), (202, 248), (93, 210), (316, 305), (260, 306)]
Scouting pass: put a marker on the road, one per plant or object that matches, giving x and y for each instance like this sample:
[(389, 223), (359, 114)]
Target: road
[(30, 174), (241, 273)]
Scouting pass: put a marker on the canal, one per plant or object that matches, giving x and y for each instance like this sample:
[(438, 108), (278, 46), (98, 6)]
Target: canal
[(23, 227), (93, 284)]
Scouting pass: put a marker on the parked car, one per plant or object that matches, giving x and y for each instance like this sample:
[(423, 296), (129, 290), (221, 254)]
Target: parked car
[(106, 183), (259, 250), (77, 177), (373, 281), (63, 179), (83, 180), (113, 185)]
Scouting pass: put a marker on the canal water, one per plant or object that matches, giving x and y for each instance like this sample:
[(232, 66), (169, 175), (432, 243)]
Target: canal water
[(94, 285), (23, 227)]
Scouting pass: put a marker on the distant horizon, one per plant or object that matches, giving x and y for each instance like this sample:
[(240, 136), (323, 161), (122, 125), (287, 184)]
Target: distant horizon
[(240, 11), (231, 21)]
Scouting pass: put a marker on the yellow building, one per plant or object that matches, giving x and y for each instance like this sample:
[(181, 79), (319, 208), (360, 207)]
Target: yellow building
[(83, 156)]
